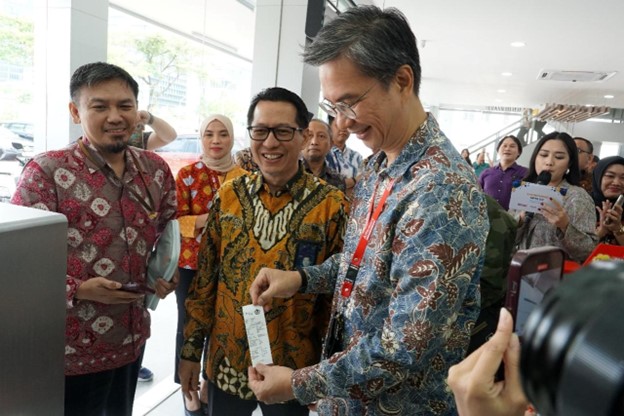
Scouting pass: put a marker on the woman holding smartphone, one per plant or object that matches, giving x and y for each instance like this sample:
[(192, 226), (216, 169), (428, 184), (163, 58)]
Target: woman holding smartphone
[(571, 225), (608, 193)]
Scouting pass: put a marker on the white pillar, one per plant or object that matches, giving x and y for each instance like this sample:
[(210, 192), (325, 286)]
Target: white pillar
[(68, 34), (278, 44)]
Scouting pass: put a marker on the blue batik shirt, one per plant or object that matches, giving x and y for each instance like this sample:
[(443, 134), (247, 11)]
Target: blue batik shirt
[(347, 162), (416, 296)]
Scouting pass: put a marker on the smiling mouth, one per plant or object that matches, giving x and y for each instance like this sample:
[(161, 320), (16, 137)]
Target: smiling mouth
[(115, 131), (270, 156)]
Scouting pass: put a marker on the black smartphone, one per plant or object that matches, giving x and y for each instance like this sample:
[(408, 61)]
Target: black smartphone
[(532, 274), (135, 287)]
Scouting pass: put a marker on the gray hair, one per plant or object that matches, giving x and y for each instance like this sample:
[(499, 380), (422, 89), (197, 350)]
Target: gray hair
[(324, 123), (378, 42)]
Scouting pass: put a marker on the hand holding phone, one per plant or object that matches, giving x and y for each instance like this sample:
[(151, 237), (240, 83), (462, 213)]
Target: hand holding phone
[(532, 274), (135, 287), (619, 202)]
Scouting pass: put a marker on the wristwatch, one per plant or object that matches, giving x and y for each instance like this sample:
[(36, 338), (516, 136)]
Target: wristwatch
[(150, 120), (620, 231)]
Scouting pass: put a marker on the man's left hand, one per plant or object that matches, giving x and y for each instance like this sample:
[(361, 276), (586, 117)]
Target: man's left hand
[(271, 383), (163, 287)]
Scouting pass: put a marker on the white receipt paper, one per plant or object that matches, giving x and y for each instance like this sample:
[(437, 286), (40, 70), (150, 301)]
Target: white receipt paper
[(257, 335), (529, 197)]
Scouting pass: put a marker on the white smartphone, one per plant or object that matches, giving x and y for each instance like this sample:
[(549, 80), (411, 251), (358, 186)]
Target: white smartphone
[(618, 202)]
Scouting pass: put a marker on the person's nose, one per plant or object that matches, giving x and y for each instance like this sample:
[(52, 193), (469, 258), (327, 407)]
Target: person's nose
[(114, 115), (343, 122), (271, 140)]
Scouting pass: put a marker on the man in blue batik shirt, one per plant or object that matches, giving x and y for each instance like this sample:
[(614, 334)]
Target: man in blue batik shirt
[(405, 300), (345, 161)]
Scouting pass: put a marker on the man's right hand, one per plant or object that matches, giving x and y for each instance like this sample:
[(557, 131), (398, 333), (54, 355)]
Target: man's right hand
[(103, 290), (272, 283), (188, 371)]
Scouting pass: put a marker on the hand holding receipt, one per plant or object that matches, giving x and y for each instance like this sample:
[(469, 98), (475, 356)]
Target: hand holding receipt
[(257, 335)]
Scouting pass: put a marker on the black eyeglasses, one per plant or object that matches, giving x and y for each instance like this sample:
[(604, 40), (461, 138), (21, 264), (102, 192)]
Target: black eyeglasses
[(281, 133), (583, 151), (342, 107)]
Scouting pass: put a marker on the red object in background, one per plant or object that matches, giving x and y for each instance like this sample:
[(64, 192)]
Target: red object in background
[(616, 252), (570, 266), (181, 152)]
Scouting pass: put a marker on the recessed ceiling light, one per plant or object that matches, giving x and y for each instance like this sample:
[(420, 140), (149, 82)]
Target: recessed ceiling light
[(588, 105), (501, 91), (506, 74), (518, 44), (609, 96)]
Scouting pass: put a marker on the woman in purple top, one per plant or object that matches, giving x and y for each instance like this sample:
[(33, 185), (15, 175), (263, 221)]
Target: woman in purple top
[(497, 180)]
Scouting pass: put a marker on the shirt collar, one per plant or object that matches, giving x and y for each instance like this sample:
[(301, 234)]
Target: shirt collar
[(426, 135), (295, 186), (95, 162)]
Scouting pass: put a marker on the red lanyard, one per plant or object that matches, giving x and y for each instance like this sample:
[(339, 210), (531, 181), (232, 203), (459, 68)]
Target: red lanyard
[(356, 260)]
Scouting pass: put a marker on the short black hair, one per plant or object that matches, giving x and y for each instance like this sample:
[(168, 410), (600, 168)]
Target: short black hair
[(377, 41), (96, 73), (278, 94), (512, 137), (590, 145)]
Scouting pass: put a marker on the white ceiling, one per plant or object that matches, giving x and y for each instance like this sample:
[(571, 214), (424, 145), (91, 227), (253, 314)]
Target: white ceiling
[(466, 45)]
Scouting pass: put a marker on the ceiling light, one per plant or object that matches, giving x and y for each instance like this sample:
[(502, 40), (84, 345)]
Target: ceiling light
[(609, 96), (501, 91), (518, 44), (506, 74)]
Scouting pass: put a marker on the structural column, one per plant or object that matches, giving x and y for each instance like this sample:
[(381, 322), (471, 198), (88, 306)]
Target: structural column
[(278, 45), (68, 34)]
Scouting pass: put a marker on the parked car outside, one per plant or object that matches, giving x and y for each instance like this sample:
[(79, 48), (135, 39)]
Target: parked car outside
[(9, 175), (184, 150), (10, 144), (22, 129)]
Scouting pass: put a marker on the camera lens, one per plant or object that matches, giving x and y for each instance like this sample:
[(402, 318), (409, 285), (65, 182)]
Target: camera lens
[(572, 359)]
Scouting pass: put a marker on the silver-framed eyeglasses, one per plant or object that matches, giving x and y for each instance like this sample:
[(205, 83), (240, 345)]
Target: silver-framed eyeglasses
[(342, 107), (281, 133)]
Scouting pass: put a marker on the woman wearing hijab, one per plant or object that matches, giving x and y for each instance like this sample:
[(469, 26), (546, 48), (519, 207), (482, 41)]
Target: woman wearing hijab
[(196, 185), (570, 225), (608, 185)]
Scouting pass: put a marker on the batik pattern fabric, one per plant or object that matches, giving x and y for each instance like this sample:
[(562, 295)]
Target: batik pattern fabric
[(195, 188), (244, 159), (248, 228), (579, 238), (110, 234), (347, 162), (416, 295)]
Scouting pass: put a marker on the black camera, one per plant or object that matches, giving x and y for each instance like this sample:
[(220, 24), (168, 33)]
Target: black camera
[(572, 359)]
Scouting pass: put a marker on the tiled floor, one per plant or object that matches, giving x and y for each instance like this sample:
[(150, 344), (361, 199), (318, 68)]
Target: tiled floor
[(161, 396)]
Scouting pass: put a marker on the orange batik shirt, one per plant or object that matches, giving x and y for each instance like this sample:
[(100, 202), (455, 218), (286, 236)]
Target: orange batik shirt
[(248, 228), (196, 185)]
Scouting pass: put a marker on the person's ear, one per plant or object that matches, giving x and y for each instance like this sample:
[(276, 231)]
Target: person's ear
[(307, 135), (404, 77), (73, 111)]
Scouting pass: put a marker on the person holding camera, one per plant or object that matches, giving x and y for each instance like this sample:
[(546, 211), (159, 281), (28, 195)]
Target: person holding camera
[(476, 391)]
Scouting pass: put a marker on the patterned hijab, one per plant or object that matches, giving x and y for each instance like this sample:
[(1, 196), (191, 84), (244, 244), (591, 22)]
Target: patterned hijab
[(226, 163)]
